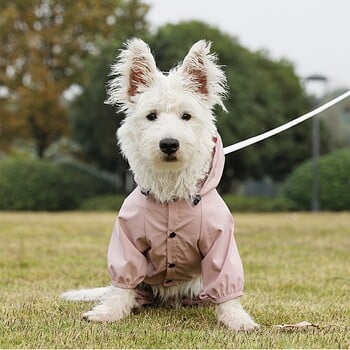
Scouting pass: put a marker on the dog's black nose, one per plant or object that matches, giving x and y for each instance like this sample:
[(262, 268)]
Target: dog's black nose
[(169, 146)]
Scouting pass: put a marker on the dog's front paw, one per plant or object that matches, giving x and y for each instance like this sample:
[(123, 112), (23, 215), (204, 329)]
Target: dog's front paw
[(232, 314), (238, 322), (101, 313)]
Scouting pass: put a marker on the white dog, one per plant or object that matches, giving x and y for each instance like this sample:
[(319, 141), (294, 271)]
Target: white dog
[(173, 242)]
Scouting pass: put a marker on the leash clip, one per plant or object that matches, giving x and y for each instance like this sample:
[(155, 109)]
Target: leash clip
[(197, 198)]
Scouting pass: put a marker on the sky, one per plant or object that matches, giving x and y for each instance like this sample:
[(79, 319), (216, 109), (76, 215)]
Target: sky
[(313, 34)]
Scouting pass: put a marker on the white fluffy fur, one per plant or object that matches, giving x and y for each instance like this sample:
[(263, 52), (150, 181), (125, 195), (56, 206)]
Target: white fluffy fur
[(92, 294), (116, 304), (188, 289), (139, 88), (232, 314)]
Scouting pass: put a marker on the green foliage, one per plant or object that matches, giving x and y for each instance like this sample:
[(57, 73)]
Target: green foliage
[(257, 204), (334, 182), (86, 184), (94, 123), (41, 185), (33, 185), (103, 203)]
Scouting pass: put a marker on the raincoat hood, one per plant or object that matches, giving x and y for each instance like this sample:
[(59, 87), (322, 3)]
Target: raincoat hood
[(217, 167)]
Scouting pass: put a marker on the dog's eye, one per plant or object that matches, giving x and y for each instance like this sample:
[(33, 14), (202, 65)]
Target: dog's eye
[(186, 116), (152, 116)]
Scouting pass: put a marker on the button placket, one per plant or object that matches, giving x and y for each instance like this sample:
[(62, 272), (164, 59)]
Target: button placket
[(171, 243)]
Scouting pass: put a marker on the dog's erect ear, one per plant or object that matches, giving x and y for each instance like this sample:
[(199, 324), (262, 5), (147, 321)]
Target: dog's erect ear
[(202, 75), (134, 72)]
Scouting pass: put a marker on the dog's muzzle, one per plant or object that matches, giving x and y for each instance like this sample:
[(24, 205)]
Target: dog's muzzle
[(169, 146)]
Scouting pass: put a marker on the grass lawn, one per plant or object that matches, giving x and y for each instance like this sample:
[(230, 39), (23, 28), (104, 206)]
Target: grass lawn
[(297, 268)]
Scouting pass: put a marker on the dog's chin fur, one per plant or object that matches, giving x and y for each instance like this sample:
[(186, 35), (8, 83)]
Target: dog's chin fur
[(194, 88), (169, 180)]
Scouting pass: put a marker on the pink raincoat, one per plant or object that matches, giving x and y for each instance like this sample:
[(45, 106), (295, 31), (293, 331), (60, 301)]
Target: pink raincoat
[(166, 244)]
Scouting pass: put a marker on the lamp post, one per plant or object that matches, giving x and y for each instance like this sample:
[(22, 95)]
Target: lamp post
[(316, 79)]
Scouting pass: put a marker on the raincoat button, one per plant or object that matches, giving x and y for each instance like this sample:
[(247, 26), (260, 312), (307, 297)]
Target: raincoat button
[(172, 234), (171, 265)]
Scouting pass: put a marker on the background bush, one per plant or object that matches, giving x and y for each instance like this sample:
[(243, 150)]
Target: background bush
[(334, 183), (107, 202), (41, 185), (257, 204), (87, 182)]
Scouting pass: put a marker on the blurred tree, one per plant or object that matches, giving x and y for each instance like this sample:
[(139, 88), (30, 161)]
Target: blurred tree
[(337, 121), (263, 94), (93, 123), (43, 44)]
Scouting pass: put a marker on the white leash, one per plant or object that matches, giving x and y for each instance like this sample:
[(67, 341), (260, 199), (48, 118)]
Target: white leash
[(245, 143)]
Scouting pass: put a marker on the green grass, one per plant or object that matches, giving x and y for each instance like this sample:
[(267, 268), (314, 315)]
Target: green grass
[(296, 266)]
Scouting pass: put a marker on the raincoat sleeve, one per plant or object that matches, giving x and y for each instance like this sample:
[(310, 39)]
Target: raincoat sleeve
[(222, 270), (127, 264)]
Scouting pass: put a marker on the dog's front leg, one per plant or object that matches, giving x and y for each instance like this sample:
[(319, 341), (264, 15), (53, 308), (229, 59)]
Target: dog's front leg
[(232, 314), (115, 305)]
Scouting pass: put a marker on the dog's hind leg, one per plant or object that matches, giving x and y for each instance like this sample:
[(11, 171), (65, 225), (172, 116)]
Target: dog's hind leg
[(232, 314), (116, 304)]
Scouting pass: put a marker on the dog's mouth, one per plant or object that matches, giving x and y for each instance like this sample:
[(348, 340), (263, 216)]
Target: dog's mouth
[(170, 158)]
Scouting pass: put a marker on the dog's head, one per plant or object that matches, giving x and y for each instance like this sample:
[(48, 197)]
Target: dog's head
[(169, 123)]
